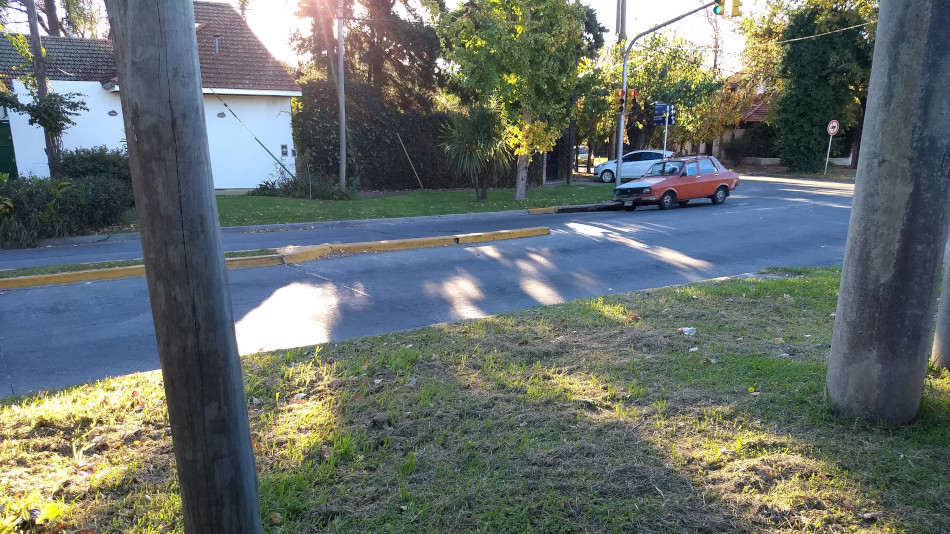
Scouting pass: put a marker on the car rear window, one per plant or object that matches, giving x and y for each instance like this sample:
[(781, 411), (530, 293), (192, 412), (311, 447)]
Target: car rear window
[(706, 166)]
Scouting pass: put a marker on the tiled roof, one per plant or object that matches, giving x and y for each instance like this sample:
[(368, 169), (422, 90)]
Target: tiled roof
[(758, 111), (241, 60), (230, 55), (67, 59)]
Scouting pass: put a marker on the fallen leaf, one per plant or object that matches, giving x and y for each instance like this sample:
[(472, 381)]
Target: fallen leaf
[(276, 518), (377, 380), (764, 473), (694, 349), (847, 506)]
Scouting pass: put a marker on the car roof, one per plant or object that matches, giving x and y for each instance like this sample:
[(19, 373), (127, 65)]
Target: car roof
[(687, 158)]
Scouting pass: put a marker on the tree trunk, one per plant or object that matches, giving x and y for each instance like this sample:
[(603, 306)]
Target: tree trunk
[(39, 70), (544, 168), (521, 178), (590, 157), (52, 18), (157, 63), (898, 228)]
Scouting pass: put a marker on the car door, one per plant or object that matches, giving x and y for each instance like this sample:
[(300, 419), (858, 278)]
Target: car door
[(708, 178), (689, 185), (629, 167)]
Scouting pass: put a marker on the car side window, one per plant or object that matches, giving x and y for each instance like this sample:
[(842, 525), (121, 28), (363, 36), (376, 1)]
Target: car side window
[(706, 167), (691, 169), (652, 155), (631, 157)]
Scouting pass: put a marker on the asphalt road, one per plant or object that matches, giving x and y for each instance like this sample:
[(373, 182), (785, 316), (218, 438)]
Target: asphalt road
[(62, 335)]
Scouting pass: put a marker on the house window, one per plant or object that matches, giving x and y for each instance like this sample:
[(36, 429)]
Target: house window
[(283, 150)]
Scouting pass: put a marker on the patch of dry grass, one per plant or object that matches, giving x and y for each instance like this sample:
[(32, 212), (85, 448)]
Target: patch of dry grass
[(592, 416)]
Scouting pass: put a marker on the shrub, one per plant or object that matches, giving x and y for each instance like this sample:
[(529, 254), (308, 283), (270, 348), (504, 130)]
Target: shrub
[(305, 185), (42, 208), (96, 161)]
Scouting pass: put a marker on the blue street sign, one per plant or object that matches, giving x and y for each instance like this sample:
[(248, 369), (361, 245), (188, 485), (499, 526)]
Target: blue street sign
[(661, 109), (658, 120)]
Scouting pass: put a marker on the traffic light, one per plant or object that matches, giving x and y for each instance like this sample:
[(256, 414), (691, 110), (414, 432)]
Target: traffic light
[(718, 9), (734, 10), (622, 98)]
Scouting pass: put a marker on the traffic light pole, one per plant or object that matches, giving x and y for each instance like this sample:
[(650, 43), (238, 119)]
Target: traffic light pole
[(626, 56)]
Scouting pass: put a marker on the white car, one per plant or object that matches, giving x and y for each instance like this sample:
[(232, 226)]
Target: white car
[(634, 165)]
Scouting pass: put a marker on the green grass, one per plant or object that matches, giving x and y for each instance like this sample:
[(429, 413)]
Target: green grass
[(251, 210), (73, 267), (591, 416)]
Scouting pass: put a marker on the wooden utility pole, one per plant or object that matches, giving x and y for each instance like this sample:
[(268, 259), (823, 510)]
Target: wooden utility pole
[(157, 63), (898, 227)]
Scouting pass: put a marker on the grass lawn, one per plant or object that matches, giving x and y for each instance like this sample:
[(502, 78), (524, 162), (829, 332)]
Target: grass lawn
[(593, 416), (246, 210)]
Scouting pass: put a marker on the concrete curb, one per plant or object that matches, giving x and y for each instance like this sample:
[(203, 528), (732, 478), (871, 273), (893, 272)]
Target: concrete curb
[(285, 256)]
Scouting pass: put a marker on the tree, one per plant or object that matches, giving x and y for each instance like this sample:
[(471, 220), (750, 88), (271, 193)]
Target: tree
[(885, 315), (522, 52), (68, 18), (713, 115), (596, 103), (825, 63), (388, 45), (395, 54), (51, 111), (475, 144), (665, 70), (592, 42)]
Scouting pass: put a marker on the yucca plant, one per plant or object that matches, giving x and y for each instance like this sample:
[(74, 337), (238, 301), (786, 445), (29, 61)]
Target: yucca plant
[(474, 145)]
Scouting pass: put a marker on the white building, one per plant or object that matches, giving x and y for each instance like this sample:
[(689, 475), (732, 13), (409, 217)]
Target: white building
[(236, 70)]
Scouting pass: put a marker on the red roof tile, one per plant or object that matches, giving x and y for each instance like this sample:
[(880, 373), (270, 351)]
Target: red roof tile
[(231, 56)]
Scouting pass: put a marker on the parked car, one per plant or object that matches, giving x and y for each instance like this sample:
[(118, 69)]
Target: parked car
[(634, 165), (677, 181)]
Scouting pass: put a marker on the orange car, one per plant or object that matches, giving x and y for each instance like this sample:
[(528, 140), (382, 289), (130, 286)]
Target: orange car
[(677, 181)]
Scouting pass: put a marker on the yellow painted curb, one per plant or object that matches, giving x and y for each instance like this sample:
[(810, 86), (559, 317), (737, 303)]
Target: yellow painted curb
[(285, 255), (302, 254), (72, 278), (254, 261), (395, 244), (482, 237), (542, 210)]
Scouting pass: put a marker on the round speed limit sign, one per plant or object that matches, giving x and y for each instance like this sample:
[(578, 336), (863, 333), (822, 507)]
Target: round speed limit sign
[(833, 127)]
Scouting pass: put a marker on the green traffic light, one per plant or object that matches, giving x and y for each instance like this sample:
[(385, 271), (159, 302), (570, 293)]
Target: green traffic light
[(717, 9)]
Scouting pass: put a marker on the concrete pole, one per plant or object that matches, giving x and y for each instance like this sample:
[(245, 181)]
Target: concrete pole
[(940, 355), (896, 238), (162, 106)]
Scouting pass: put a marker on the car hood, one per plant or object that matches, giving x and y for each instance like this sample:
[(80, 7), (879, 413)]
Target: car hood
[(612, 163), (643, 182)]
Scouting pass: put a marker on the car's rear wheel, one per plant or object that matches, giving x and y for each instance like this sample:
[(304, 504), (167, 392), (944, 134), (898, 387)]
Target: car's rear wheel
[(668, 200), (720, 195), (682, 202), (607, 176)]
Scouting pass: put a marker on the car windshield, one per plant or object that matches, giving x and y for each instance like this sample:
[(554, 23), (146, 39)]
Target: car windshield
[(666, 168)]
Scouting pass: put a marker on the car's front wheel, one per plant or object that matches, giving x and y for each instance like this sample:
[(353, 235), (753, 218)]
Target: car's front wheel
[(668, 200), (607, 176), (720, 195)]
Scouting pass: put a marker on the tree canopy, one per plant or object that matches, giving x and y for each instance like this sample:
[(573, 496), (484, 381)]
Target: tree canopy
[(524, 54)]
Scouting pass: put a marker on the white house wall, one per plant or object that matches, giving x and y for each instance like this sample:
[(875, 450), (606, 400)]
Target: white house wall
[(237, 160)]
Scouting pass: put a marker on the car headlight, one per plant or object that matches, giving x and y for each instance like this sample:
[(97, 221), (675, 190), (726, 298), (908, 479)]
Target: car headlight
[(647, 190)]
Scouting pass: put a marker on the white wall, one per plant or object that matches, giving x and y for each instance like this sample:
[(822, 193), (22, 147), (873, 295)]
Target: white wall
[(237, 160)]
